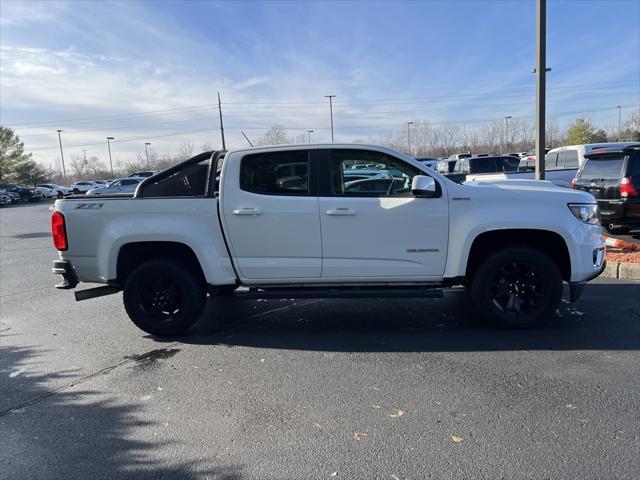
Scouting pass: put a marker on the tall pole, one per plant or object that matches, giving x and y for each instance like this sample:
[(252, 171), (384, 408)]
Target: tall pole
[(409, 137), (64, 170), (146, 150), (309, 132), (224, 146), (619, 122), (109, 147), (541, 71), (331, 97), (506, 130)]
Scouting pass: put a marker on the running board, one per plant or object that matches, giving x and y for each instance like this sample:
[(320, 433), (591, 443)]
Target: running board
[(347, 292), (96, 292)]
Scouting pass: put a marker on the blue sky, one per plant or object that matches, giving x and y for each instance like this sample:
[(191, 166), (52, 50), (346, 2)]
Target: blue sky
[(149, 71)]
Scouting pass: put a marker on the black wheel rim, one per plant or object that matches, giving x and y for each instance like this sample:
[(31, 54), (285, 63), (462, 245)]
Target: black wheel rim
[(516, 290), (161, 297)]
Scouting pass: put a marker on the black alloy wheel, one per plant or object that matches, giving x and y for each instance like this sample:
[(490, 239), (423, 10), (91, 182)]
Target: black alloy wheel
[(517, 287), (164, 297)]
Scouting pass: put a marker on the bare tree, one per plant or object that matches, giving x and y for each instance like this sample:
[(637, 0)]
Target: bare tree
[(450, 136), (206, 147), (185, 151), (490, 135), (421, 133), (79, 165), (276, 135)]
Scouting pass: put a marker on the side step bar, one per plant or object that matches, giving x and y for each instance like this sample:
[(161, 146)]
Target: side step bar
[(347, 292), (96, 292)]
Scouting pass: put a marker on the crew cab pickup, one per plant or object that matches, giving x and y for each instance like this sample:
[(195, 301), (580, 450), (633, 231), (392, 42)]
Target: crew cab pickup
[(283, 222)]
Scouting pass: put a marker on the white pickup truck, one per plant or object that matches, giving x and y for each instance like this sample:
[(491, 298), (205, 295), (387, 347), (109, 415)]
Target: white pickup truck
[(284, 222)]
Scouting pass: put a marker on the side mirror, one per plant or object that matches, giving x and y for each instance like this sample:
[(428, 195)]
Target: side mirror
[(423, 186)]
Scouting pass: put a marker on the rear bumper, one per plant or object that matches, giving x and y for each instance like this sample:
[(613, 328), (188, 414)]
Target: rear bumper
[(620, 212), (69, 277)]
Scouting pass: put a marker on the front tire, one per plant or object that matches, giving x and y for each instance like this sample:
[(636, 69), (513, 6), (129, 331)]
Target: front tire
[(517, 287), (163, 297)]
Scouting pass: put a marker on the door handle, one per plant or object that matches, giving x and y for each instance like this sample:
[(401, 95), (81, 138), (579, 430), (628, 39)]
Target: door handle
[(247, 211), (341, 211)]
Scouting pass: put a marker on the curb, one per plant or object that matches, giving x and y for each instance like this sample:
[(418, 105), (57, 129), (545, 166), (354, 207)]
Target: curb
[(622, 271)]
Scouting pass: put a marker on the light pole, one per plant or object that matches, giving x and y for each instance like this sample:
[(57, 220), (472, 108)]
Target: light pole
[(541, 85), (506, 129), (309, 132), (409, 136), (64, 170), (619, 107), (331, 97), (146, 150), (109, 147)]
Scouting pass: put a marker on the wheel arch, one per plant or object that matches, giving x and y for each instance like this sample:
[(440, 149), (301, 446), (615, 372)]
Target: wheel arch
[(550, 243), (132, 254)]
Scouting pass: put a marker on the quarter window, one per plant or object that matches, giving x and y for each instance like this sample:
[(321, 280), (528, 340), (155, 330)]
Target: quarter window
[(571, 159), (276, 173), (384, 175)]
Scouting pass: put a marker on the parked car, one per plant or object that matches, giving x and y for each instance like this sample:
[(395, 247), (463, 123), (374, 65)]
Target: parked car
[(561, 164), (431, 162), (25, 194), (13, 196), (83, 187), (446, 166), (192, 232), (471, 167), (144, 174), (613, 178), (4, 198), (458, 156), (102, 183), (53, 190), (121, 185)]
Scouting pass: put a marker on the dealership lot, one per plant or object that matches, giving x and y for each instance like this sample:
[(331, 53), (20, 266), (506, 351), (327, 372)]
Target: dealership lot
[(309, 388)]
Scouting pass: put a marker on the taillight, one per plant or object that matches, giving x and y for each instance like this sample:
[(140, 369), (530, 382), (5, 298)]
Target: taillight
[(59, 231), (573, 183), (626, 188)]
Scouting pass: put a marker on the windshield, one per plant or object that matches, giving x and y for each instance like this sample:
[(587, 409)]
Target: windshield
[(605, 167)]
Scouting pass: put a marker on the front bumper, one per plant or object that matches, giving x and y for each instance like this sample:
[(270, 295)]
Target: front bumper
[(576, 288), (69, 277)]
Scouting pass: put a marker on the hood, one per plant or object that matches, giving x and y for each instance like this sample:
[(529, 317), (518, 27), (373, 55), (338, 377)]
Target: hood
[(528, 189)]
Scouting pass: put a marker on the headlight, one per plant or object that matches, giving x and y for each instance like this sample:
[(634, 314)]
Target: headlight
[(585, 212)]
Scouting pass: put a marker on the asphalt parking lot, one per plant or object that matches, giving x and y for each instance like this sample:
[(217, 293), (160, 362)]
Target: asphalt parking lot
[(391, 389)]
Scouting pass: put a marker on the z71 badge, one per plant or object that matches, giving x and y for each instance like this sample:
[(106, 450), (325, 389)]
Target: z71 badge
[(89, 205)]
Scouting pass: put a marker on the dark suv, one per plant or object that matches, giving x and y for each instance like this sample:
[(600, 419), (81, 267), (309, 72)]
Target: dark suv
[(613, 178), (26, 194)]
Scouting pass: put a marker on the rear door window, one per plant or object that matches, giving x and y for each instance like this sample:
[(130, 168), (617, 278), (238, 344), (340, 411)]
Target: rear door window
[(276, 173), (609, 166)]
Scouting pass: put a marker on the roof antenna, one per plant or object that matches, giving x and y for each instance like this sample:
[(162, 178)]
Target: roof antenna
[(246, 138)]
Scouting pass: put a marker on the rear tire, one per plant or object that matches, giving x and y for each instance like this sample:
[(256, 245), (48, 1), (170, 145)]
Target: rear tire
[(163, 297), (517, 287), (60, 195)]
